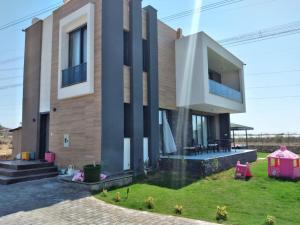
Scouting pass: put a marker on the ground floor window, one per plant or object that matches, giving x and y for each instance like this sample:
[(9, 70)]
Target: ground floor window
[(200, 130)]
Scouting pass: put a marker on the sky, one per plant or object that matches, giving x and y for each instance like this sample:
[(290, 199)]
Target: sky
[(272, 71)]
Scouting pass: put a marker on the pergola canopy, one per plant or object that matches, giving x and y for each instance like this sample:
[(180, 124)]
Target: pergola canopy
[(236, 127)]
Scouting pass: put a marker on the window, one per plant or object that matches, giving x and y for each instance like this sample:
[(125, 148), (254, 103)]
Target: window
[(78, 46), (127, 52), (76, 53), (126, 48), (215, 76), (76, 72), (296, 163), (200, 130)]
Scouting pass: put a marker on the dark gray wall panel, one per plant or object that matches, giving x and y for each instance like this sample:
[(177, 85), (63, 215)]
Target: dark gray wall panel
[(31, 87), (136, 85), (152, 48), (112, 86), (224, 125)]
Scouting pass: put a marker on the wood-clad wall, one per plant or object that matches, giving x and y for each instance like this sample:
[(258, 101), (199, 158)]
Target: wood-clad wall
[(79, 117)]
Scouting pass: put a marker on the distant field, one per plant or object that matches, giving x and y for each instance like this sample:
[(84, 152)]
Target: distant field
[(5, 146), (5, 151)]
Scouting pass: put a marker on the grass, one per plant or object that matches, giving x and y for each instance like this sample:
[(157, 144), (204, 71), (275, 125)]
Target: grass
[(248, 202)]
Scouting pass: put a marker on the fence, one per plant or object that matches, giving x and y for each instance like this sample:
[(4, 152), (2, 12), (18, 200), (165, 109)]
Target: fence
[(270, 142)]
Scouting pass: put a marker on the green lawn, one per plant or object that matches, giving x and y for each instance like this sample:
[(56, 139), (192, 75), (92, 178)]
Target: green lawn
[(248, 202)]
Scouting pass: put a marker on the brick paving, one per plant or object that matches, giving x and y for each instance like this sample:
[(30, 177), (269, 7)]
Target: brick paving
[(53, 202)]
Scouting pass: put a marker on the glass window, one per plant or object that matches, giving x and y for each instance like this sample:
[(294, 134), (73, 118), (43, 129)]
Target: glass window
[(85, 46), (78, 46), (200, 130)]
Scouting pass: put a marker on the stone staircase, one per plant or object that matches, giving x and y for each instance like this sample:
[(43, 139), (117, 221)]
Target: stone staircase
[(18, 171)]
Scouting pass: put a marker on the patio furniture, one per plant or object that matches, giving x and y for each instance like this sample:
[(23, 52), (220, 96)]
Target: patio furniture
[(224, 144), (212, 147), (194, 150)]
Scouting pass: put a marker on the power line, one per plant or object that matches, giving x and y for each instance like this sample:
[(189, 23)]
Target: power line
[(278, 97), (30, 16), (11, 60), (275, 86), (10, 78), (10, 86), (198, 10), (274, 72), (11, 69), (264, 34)]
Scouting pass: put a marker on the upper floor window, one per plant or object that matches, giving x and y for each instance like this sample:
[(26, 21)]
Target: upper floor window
[(127, 52), (213, 75), (76, 72), (78, 46), (126, 48), (76, 53)]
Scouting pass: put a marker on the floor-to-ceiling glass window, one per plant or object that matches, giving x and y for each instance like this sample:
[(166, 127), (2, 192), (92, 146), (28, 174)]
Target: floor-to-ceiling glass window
[(200, 130)]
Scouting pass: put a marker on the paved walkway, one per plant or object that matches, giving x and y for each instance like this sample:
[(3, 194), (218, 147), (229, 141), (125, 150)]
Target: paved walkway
[(53, 202)]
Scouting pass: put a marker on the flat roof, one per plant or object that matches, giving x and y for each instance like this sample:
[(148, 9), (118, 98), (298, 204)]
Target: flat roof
[(234, 126)]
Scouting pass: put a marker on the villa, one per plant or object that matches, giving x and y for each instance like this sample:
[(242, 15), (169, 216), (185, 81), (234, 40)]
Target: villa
[(106, 81)]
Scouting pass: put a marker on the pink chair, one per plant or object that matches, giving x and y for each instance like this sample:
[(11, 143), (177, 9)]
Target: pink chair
[(242, 171)]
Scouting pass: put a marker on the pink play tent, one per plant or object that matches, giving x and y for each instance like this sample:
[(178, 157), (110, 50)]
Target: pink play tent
[(284, 163)]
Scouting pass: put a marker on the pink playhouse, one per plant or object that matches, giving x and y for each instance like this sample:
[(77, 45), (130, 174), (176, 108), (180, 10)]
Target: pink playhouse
[(284, 163)]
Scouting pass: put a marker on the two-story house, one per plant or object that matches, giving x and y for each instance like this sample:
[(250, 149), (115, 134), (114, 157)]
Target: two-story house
[(107, 81)]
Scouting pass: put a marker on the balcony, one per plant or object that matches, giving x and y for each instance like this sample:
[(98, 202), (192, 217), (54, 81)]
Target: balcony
[(224, 91), (74, 75)]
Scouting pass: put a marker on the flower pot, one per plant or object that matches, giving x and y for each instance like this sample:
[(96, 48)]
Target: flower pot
[(50, 157), (92, 173)]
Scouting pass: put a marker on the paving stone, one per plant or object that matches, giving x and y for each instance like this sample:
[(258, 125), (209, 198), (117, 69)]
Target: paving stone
[(53, 202)]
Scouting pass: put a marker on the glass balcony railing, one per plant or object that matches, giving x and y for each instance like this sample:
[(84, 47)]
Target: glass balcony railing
[(224, 91), (74, 75)]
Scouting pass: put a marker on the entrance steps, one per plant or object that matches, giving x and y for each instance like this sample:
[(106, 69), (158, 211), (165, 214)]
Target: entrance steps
[(19, 171)]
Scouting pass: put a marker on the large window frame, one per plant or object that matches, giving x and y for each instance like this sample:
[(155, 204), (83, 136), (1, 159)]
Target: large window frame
[(76, 19), (83, 45), (200, 130)]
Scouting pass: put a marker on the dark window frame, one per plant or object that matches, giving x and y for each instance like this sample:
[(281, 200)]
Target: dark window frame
[(126, 47), (81, 29)]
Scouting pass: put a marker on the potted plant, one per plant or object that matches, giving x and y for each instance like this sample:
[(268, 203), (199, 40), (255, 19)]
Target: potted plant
[(92, 173)]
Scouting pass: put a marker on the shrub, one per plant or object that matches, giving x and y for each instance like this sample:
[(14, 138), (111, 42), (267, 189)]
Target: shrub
[(222, 213), (104, 193), (117, 197), (150, 202), (270, 220), (127, 193), (178, 209)]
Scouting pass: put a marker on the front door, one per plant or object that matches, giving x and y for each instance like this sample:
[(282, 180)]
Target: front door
[(44, 135)]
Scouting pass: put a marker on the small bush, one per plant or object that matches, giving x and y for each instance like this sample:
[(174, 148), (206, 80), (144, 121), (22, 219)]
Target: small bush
[(117, 197), (104, 193), (150, 202), (178, 209), (270, 220), (127, 193), (222, 213)]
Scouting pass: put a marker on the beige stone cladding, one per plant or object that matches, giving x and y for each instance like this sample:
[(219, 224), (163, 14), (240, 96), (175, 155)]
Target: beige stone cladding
[(166, 66), (79, 117)]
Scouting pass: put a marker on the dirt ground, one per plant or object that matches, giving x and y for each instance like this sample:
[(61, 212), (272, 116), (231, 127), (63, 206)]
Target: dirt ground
[(5, 151)]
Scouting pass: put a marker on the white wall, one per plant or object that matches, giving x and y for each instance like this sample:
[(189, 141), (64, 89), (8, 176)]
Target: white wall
[(192, 80), (84, 15), (46, 61)]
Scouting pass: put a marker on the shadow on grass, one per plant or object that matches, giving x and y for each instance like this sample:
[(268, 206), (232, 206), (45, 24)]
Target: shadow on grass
[(168, 179)]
